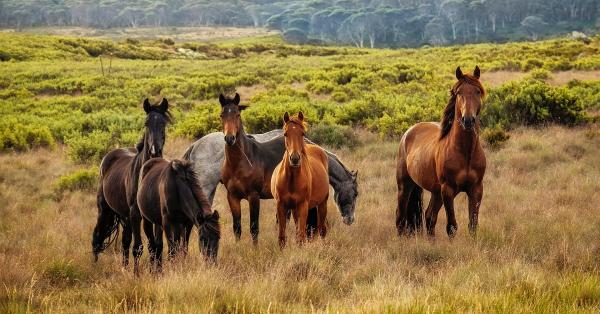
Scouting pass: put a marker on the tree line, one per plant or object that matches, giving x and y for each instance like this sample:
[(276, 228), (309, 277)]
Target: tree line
[(362, 23)]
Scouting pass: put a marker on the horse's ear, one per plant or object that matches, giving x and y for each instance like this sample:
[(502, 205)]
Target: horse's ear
[(236, 99), (300, 116), (147, 105), (459, 74), (354, 174), (477, 72), (215, 214), (164, 105), (286, 117), (222, 100)]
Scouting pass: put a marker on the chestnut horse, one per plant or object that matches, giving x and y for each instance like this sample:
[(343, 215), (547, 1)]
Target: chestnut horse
[(444, 159), (119, 174), (170, 198), (300, 181)]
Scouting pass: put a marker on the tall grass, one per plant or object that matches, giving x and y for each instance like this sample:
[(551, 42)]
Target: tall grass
[(537, 248)]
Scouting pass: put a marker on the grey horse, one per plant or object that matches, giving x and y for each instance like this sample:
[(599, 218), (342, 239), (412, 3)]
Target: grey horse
[(207, 156)]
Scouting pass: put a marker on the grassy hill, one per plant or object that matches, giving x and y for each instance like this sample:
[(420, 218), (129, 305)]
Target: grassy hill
[(65, 101)]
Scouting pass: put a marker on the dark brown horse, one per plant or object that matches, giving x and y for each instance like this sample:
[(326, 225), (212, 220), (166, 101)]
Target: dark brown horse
[(444, 159), (170, 199), (248, 166), (117, 189), (300, 181)]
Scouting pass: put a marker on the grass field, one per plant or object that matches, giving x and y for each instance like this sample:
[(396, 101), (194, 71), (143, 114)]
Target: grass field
[(537, 248), (65, 101)]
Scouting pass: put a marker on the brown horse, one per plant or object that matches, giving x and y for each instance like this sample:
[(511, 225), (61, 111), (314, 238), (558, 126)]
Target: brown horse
[(119, 174), (170, 198), (444, 159), (300, 181), (248, 166)]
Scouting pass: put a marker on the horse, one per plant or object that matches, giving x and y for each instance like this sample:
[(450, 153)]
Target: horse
[(300, 181), (444, 159), (208, 153), (170, 199), (248, 166), (118, 184)]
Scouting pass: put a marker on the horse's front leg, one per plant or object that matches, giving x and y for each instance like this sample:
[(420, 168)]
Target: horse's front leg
[(126, 240), (282, 220), (431, 215), (302, 215), (254, 202), (236, 214), (475, 196), (448, 194), (322, 219), (136, 222)]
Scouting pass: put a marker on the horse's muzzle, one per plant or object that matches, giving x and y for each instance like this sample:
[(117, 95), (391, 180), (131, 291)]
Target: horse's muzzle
[(230, 140), (295, 160), (468, 123), (348, 220)]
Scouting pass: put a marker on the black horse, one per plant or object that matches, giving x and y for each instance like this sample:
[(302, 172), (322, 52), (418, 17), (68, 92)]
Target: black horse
[(117, 189), (170, 198)]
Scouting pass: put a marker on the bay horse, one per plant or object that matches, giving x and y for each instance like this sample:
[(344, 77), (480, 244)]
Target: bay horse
[(207, 155), (445, 159), (300, 181), (118, 184), (170, 199), (248, 166)]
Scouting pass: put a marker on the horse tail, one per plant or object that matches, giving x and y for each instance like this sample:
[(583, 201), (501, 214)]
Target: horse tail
[(107, 226), (188, 153), (414, 210)]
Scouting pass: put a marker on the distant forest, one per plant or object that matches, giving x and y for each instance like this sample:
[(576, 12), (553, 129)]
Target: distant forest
[(362, 23)]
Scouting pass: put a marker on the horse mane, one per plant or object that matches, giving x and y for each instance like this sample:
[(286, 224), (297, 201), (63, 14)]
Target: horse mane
[(191, 178), (448, 115)]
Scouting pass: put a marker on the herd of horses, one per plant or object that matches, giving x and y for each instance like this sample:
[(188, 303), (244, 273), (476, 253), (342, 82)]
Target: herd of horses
[(140, 189)]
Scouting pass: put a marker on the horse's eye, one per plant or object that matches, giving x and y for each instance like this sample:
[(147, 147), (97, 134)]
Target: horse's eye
[(478, 92)]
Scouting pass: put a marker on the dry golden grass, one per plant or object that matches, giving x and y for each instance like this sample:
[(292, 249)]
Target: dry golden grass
[(537, 250)]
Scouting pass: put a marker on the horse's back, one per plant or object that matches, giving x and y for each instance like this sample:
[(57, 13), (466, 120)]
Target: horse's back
[(417, 154), (207, 155)]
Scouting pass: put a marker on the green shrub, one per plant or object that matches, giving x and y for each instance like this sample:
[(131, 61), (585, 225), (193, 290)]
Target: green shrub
[(333, 135), (319, 87), (495, 136), (16, 135), (89, 148), (532, 103), (531, 64), (82, 179), (62, 273), (201, 121), (339, 96)]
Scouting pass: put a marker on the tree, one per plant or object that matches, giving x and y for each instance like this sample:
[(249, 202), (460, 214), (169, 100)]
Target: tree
[(534, 25)]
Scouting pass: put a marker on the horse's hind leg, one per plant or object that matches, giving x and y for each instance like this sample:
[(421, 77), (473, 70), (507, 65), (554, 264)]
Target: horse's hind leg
[(158, 240), (312, 222), (322, 219), (431, 215), (254, 202), (148, 230), (186, 239), (405, 186)]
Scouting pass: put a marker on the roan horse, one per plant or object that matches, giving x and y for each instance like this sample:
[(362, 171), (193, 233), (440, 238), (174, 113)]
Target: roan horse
[(170, 198), (207, 156), (444, 159), (300, 181), (117, 189)]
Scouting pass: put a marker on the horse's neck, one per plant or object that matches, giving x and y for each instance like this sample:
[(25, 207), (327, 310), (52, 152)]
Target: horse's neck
[(464, 141), (241, 150), (337, 173)]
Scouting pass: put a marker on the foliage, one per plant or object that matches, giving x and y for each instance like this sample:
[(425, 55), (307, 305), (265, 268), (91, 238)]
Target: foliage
[(369, 23), (495, 136), (333, 135), (82, 179)]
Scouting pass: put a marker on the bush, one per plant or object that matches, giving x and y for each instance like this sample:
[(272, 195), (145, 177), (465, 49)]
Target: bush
[(332, 135), (495, 136), (83, 179), (89, 148), (19, 136), (201, 121), (532, 103)]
